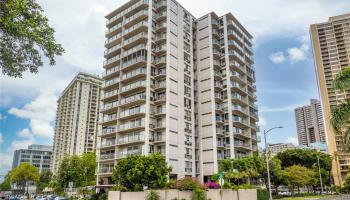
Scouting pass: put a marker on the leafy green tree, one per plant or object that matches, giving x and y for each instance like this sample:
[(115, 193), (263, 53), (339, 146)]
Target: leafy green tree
[(5, 185), (77, 169), (304, 157), (340, 114), (24, 35), (134, 172), (298, 176), (44, 180), (24, 174), (347, 182)]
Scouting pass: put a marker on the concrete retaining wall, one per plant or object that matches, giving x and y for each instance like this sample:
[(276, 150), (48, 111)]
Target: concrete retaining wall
[(249, 194)]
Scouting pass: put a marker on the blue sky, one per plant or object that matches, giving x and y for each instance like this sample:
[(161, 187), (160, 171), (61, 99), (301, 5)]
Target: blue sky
[(283, 61)]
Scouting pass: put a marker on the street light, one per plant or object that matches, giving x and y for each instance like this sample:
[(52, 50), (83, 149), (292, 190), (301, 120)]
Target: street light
[(267, 159), (319, 172)]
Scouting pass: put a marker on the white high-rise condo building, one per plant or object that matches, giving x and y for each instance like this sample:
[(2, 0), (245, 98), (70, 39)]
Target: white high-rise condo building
[(152, 100), (331, 48), (310, 123), (77, 118)]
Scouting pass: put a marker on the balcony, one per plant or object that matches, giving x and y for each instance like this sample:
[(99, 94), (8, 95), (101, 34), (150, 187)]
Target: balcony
[(109, 119), (133, 100), (159, 125), (106, 157), (160, 27), (237, 77), (239, 110), (242, 145), (160, 61), (111, 83), (234, 45), (108, 131), (110, 94), (129, 126), (188, 156), (139, 27), (132, 113), (124, 12), (135, 74), (137, 61), (239, 122), (160, 49), (115, 48), (134, 39), (237, 66), (159, 86), (239, 88), (160, 99), (160, 38), (241, 133), (159, 111), (133, 86), (113, 40), (131, 153), (109, 107), (113, 29), (160, 16), (108, 170), (160, 5), (218, 85), (107, 63), (131, 140), (188, 170), (236, 56), (160, 138), (107, 144), (160, 73), (135, 18), (110, 71), (219, 119)]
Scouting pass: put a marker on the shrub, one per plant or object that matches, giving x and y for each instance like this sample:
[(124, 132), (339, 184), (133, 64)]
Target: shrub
[(189, 184), (152, 195), (119, 188), (198, 194), (262, 194)]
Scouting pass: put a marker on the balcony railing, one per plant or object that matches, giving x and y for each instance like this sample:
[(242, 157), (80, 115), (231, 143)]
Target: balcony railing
[(128, 125), (109, 130), (136, 15), (126, 11), (134, 38), (113, 28), (107, 156), (134, 138), (136, 26), (134, 61), (134, 73), (131, 112), (111, 71), (133, 86), (129, 153), (133, 99), (107, 143)]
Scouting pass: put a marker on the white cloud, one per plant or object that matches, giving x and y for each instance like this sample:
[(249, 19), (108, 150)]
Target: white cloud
[(292, 140), (40, 112), (25, 133), (292, 54), (1, 138), (277, 57), (262, 121)]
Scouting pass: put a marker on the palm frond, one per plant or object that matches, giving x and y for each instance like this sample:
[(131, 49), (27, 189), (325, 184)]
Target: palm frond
[(340, 116), (342, 80)]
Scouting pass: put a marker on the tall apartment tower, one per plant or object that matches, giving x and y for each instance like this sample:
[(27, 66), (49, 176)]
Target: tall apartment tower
[(77, 118), (310, 123), (152, 85), (331, 48), (147, 105), (227, 113)]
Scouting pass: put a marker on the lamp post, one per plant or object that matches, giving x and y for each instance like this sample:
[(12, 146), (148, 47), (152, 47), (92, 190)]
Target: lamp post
[(267, 160)]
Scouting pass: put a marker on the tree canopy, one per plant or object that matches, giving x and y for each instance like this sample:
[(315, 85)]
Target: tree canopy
[(25, 35), (77, 169), (24, 173), (135, 172)]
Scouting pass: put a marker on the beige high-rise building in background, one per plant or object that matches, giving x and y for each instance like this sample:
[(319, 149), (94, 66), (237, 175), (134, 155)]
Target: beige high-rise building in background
[(331, 48), (310, 123), (177, 86), (76, 118)]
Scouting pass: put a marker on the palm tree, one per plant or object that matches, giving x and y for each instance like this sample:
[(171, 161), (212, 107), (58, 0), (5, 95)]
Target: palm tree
[(340, 114)]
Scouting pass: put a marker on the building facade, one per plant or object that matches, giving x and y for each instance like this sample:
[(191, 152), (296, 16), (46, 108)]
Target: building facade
[(152, 95), (331, 48), (227, 112), (274, 149), (77, 118), (310, 123), (38, 155)]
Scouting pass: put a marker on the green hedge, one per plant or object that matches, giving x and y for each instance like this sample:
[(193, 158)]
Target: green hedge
[(262, 194)]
